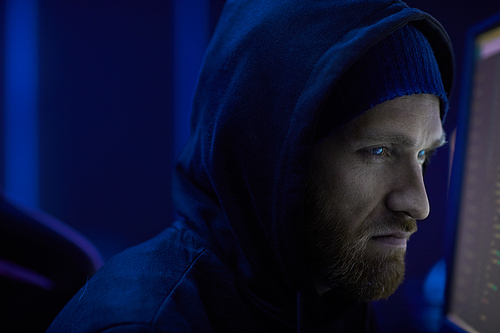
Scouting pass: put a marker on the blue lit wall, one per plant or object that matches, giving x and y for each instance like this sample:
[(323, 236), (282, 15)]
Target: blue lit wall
[(2, 99), (21, 101), (96, 99), (192, 35)]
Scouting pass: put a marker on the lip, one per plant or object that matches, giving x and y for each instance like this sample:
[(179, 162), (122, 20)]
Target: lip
[(393, 239)]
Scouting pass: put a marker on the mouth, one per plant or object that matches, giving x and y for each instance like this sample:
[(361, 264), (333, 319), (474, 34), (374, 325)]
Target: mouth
[(394, 239)]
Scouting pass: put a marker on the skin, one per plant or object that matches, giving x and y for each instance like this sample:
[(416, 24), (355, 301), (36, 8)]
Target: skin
[(365, 192)]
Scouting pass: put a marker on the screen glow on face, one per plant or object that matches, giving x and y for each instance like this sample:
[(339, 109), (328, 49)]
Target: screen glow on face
[(365, 192)]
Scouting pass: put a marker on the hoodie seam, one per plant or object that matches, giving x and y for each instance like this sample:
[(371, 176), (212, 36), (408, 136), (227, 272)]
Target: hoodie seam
[(167, 298)]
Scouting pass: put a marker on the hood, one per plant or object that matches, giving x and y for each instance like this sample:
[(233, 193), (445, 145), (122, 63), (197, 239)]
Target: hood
[(239, 181)]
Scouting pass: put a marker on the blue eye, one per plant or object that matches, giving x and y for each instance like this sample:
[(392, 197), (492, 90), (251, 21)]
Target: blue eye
[(422, 154), (376, 154), (379, 151)]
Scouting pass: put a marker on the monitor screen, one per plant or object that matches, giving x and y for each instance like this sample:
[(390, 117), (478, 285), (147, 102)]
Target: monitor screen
[(473, 301)]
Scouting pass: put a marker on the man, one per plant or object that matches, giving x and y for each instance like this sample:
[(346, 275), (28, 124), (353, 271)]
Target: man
[(301, 181), (366, 192)]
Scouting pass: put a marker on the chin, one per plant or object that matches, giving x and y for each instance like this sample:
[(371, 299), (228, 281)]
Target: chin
[(372, 277)]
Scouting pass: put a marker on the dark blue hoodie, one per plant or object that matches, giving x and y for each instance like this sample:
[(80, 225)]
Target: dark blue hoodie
[(234, 263)]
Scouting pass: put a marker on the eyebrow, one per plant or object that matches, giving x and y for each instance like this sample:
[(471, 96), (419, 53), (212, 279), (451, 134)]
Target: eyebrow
[(401, 139)]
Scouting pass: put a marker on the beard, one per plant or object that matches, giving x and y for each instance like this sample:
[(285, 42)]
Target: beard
[(345, 259)]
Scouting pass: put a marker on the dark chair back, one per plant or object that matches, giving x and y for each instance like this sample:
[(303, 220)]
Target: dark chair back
[(43, 263)]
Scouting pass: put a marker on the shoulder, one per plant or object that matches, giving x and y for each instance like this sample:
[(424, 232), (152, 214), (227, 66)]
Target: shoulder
[(136, 290)]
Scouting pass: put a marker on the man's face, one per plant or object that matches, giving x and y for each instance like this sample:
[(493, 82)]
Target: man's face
[(365, 192)]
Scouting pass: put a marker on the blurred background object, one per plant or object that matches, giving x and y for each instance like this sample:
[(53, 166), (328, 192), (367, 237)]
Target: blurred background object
[(43, 263)]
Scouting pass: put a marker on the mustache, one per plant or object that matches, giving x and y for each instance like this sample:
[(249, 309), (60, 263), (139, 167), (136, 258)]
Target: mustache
[(392, 223)]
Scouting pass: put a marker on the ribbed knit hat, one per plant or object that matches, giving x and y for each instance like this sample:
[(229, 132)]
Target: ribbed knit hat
[(403, 63)]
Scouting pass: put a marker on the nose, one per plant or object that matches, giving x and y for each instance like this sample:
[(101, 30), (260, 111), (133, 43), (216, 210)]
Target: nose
[(408, 194)]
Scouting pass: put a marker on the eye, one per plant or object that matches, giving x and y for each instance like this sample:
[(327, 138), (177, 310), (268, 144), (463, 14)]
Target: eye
[(426, 159), (422, 156), (378, 151)]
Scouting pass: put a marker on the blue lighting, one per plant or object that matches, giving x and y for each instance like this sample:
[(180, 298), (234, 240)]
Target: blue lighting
[(435, 284), (21, 99), (191, 40)]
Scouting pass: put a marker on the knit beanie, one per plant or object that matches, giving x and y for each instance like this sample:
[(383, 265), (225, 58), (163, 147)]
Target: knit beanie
[(403, 63)]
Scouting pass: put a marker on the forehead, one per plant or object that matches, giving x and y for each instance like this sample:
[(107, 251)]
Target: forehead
[(416, 117)]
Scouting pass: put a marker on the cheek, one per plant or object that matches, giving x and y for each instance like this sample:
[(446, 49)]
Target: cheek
[(356, 193)]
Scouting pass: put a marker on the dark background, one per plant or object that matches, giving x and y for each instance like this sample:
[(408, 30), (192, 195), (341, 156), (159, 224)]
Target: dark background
[(115, 80)]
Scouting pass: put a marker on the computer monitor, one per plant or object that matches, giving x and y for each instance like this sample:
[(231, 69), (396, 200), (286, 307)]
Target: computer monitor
[(473, 277)]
